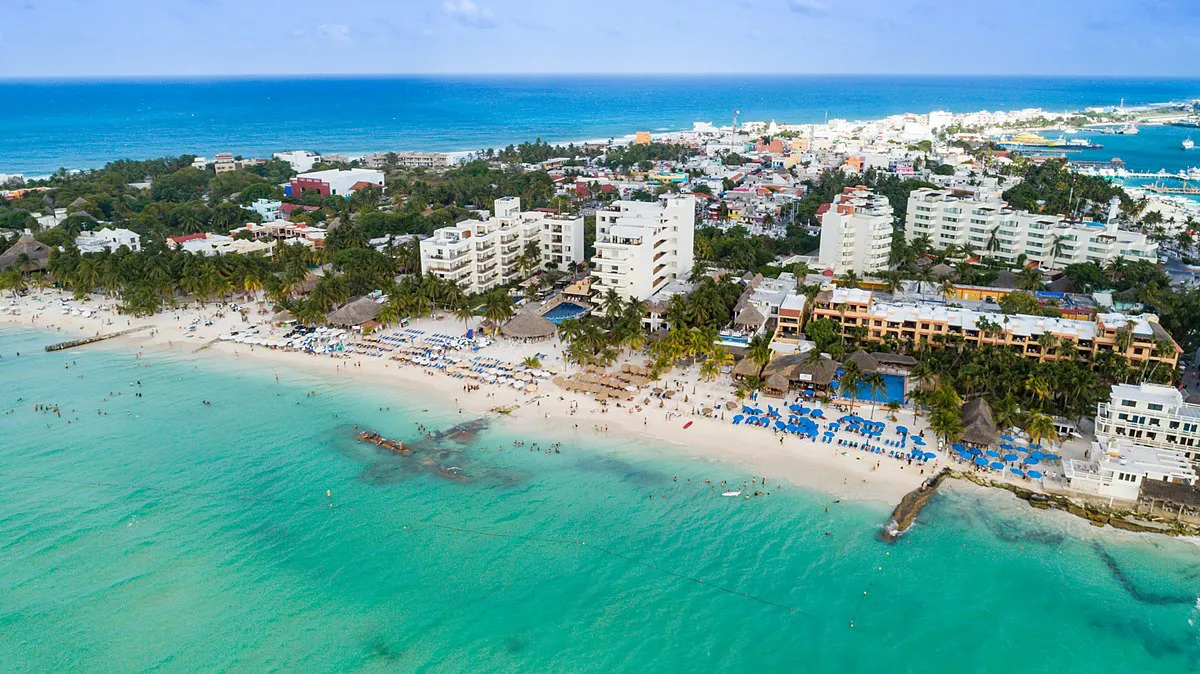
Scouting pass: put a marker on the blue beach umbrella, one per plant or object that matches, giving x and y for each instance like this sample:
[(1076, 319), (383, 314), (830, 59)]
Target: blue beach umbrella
[(737, 418), (981, 461), (796, 408), (747, 410), (902, 430), (996, 465), (1034, 474), (780, 425), (1007, 447), (1006, 438), (975, 450), (1017, 471), (920, 442), (1030, 461), (1037, 455), (993, 453), (930, 455), (818, 414), (1011, 457), (1052, 457), (956, 446)]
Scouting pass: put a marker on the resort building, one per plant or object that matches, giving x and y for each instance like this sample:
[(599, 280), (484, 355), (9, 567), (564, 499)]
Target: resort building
[(1151, 415), (282, 230), (790, 322), (108, 240), (993, 229), (856, 233), (643, 246), (425, 160), (334, 182), (1139, 338), (299, 160), (1119, 467), (483, 254)]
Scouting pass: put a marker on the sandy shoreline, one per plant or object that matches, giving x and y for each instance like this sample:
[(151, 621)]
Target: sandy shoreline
[(827, 468)]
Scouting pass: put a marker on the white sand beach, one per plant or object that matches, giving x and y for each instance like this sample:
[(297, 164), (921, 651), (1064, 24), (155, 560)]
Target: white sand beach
[(842, 472)]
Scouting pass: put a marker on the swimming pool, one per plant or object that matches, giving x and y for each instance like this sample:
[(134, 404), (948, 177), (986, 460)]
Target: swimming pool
[(564, 311), (893, 390)]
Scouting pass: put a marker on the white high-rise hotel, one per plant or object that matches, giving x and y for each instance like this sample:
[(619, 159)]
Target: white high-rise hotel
[(480, 255), (856, 233), (993, 229), (643, 246)]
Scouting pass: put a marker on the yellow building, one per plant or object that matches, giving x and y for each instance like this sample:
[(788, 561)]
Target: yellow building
[(1139, 339), (641, 138)]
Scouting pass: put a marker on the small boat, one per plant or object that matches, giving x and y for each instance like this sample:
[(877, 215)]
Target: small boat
[(377, 439), (732, 493), (1188, 143)]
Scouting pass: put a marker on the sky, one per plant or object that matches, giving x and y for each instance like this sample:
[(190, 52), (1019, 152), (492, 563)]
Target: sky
[(129, 38)]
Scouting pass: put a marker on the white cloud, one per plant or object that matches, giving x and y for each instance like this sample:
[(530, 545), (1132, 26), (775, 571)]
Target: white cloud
[(808, 7), (334, 31), (468, 13)]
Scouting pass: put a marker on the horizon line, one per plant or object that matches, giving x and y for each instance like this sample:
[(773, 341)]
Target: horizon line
[(546, 75)]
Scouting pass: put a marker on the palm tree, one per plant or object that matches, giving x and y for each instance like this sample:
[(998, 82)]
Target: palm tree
[(876, 384), (532, 362), (850, 380), (497, 306), (465, 313), (1040, 427), (759, 351)]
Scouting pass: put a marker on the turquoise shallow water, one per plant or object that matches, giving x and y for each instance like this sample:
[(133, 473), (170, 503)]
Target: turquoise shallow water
[(171, 535)]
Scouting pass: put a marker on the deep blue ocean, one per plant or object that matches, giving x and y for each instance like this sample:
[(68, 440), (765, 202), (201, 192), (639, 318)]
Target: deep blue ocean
[(45, 125)]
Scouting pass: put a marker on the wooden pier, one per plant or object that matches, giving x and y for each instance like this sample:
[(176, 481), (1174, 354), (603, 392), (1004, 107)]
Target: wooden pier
[(61, 346), (1163, 189)]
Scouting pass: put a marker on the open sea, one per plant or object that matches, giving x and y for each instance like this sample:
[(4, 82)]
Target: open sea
[(45, 125), (255, 534)]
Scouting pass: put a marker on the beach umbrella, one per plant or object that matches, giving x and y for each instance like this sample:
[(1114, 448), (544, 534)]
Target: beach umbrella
[(975, 450), (902, 430), (817, 413), (737, 418), (1011, 457), (996, 465), (955, 446), (1030, 461), (1052, 457), (1006, 438), (780, 425), (1017, 471), (993, 453), (981, 461), (930, 455), (1007, 447), (796, 409), (1034, 474), (1037, 455)]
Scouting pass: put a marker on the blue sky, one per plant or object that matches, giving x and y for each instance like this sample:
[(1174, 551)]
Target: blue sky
[(81, 38)]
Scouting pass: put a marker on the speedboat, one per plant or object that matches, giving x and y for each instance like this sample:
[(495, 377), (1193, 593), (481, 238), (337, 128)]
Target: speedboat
[(731, 492), (1188, 143)]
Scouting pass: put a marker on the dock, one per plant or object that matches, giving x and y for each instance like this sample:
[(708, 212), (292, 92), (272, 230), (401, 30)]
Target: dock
[(1163, 189), (62, 346)]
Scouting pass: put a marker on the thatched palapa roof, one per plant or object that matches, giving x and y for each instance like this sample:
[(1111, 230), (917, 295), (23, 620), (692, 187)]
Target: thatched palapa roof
[(749, 316), (865, 361), (528, 325), (355, 312), (37, 252), (979, 426)]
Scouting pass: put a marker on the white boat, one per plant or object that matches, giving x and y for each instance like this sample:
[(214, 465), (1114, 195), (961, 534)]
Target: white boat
[(732, 493), (1188, 143)]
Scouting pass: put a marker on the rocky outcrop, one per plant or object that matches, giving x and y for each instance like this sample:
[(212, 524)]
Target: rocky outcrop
[(910, 506)]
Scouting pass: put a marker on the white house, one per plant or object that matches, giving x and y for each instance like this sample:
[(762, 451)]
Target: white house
[(336, 182), (108, 239), (1118, 468), (268, 209), (1152, 415), (643, 246), (856, 233), (300, 160)]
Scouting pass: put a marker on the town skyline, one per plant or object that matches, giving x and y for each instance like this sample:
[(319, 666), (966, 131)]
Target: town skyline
[(1115, 38)]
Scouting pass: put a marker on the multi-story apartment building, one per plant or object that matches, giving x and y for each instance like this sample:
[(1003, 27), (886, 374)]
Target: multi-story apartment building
[(480, 255), (856, 233), (993, 229), (1140, 339), (426, 160), (1151, 415), (643, 246)]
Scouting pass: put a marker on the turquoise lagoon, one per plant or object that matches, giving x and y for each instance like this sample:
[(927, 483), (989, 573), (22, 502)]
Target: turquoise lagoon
[(157, 532)]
